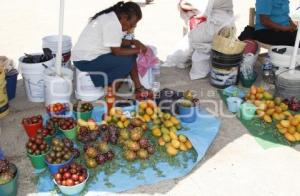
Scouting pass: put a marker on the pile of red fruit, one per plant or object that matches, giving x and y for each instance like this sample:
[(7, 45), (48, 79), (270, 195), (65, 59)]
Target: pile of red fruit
[(67, 124), (293, 104), (62, 150), (82, 107), (97, 154), (53, 122), (37, 145), (85, 135), (71, 175), (58, 109), (46, 131), (32, 120)]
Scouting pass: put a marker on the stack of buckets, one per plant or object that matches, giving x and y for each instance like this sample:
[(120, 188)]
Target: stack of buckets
[(4, 107), (41, 83)]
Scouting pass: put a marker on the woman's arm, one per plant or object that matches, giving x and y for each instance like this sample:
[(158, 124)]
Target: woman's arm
[(267, 22)]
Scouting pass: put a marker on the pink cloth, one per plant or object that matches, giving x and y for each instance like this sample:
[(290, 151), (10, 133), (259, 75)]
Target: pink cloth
[(146, 61)]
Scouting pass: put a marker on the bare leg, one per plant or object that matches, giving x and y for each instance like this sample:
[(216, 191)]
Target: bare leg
[(135, 76)]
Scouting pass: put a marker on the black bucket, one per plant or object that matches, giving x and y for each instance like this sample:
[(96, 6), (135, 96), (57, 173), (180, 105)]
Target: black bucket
[(224, 69), (224, 60)]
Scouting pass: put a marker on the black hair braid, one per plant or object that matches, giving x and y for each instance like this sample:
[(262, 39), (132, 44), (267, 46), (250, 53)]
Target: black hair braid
[(130, 9)]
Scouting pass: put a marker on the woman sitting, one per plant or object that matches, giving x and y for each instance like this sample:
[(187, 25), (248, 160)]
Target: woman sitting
[(101, 50), (273, 24)]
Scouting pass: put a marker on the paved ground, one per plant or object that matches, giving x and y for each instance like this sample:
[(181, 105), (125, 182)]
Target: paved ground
[(234, 165)]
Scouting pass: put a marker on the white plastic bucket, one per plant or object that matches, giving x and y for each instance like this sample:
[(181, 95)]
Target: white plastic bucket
[(85, 89), (33, 78), (51, 42), (58, 89)]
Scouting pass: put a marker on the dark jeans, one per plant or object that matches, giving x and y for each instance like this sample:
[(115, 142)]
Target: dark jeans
[(114, 67), (268, 36)]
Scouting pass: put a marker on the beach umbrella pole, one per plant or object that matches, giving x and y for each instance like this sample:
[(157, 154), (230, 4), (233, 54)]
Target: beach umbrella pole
[(60, 38), (296, 46)]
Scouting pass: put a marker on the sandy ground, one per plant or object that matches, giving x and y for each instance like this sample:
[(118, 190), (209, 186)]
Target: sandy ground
[(234, 165)]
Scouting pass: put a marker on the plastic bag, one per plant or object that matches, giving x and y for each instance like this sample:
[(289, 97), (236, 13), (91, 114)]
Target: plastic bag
[(200, 65)]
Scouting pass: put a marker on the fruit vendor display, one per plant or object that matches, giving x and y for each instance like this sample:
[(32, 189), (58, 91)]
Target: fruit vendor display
[(290, 128), (109, 133), (258, 93), (270, 110), (135, 144), (148, 111), (90, 124), (7, 172), (82, 107), (53, 122), (57, 109), (71, 179), (32, 124), (293, 104), (46, 131), (97, 154), (71, 175), (83, 110), (37, 145), (86, 135), (67, 124), (61, 151)]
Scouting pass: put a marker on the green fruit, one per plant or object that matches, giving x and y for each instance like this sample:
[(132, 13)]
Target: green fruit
[(278, 101), (164, 130), (166, 138), (91, 163)]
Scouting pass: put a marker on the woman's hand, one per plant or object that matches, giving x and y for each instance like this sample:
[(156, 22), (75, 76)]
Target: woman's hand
[(140, 46)]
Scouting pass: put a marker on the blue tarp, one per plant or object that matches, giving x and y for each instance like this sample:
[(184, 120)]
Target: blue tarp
[(201, 134)]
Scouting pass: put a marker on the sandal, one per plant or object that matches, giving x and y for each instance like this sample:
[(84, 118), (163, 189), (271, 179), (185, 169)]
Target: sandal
[(143, 93), (149, 1)]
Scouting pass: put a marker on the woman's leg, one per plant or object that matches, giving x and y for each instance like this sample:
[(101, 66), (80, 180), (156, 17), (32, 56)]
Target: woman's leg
[(272, 37), (107, 68), (135, 76)]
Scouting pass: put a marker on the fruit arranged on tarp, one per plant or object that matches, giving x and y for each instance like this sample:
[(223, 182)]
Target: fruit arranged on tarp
[(33, 120), (269, 110), (82, 107), (58, 109), (46, 131), (293, 104), (134, 142), (174, 143), (7, 172), (90, 123), (116, 116), (258, 93), (164, 124), (67, 124), (61, 151), (37, 145), (109, 133), (290, 128), (148, 110), (71, 175), (86, 135), (97, 154)]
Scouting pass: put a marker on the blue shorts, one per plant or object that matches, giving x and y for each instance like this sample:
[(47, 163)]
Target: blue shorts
[(114, 67)]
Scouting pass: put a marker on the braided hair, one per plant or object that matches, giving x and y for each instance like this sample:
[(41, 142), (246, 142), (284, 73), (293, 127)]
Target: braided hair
[(129, 8)]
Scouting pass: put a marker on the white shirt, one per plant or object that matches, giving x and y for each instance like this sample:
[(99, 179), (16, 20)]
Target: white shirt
[(98, 37)]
